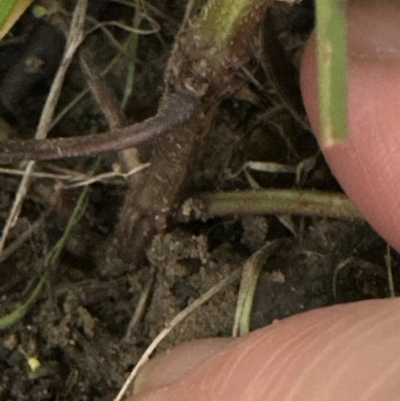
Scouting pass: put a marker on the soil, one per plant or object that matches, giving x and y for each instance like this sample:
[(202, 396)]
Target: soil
[(82, 332)]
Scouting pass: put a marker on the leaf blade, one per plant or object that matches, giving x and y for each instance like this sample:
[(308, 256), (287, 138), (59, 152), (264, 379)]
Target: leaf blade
[(10, 11), (332, 63)]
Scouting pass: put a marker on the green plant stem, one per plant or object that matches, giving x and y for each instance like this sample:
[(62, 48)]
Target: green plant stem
[(224, 24), (277, 201)]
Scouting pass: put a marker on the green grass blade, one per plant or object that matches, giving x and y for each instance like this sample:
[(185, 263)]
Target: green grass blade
[(18, 313), (10, 11), (332, 56), (6, 6)]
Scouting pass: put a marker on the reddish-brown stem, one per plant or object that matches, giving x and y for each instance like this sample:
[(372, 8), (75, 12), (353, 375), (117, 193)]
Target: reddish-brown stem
[(175, 109)]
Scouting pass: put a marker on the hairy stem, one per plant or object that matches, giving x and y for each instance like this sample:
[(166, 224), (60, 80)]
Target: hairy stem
[(276, 201)]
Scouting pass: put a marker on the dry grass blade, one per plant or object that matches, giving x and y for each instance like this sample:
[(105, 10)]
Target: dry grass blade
[(108, 176), (76, 179), (174, 322), (248, 283), (75, 37), (38, 224), (141, 305)]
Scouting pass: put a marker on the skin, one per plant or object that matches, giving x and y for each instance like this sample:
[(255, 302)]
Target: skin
[(366, 165), (346, 352)]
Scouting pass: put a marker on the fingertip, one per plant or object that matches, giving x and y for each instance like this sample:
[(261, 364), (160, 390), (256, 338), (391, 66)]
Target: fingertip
[(347, 352), (171, 365), (366, 164)]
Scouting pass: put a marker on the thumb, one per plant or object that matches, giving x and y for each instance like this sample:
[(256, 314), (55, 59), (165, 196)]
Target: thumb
[(367, 164), (348, 352)]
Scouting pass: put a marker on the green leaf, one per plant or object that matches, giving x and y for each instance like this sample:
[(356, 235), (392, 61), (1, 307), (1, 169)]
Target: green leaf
[(10, 11)]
